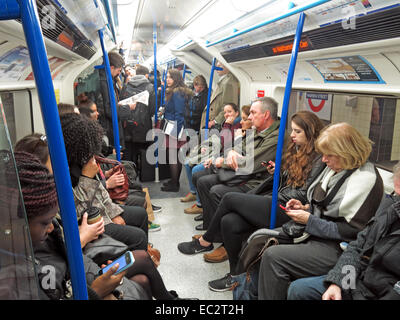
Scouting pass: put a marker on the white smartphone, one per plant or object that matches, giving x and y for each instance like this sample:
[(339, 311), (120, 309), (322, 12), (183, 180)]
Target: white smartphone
[(125, 261)]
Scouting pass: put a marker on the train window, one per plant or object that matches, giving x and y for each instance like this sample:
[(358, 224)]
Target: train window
[(18, 278), (88, 81), (376, 117), (18, 112)]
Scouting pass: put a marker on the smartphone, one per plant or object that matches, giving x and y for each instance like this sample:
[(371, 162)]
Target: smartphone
[(125, 261), (283, 208), (266, 163)]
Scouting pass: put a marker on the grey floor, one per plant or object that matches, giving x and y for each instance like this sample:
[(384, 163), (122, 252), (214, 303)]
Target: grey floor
[(187, 275)]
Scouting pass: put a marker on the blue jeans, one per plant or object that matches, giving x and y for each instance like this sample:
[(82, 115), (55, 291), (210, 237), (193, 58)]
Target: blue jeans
[(189, 173), (311, 288)]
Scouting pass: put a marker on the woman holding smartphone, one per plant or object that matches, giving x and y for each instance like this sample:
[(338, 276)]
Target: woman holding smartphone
[(240, 214)]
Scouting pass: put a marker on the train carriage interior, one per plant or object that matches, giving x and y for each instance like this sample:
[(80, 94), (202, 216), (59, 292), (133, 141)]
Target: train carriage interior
[(347, 70)]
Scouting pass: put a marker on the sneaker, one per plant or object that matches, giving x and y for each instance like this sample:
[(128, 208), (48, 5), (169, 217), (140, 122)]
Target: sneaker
[(224, 284), (193, 247), (154, 227), (189, 197), (176, 297), (156, 209), (199, 217), (218, 255), (194, 209)]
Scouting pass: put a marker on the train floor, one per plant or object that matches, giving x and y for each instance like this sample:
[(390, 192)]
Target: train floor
[(186, 274)]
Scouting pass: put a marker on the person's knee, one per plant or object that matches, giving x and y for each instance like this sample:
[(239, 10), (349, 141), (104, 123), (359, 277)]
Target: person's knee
[(295, 291)]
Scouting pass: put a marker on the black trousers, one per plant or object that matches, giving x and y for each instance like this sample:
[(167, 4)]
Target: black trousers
[(238, 215), (211, 191), (135, 233)]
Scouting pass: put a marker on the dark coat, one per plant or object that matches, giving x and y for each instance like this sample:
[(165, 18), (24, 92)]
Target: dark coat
[(374, 255), (139, 122), (194, 110)]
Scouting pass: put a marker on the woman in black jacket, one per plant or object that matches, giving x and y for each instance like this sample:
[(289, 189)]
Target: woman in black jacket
[(196, 105)]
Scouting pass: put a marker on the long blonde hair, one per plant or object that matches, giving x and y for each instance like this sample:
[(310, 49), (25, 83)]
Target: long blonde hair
[(346, 142)]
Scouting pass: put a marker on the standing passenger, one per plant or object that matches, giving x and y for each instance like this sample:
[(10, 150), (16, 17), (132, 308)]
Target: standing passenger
[(196, 105), (226, 91), (177, 96)]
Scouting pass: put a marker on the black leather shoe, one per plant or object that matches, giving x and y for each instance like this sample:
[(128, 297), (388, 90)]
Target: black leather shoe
[(199, 217), (170, 188), (200, 227), (165, 183)]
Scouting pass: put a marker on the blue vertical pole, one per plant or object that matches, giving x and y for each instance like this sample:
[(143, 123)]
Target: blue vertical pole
[(282, 127), (156, 179), (213, 68), (44, 85), (111, 94), (165, 85)]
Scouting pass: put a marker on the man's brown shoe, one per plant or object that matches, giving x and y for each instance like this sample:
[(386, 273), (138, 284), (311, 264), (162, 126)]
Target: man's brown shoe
[(194, 209), (189, 198), (218, 255)]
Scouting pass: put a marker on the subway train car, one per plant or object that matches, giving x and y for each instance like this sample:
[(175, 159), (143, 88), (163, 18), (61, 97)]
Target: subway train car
[(339, 59)]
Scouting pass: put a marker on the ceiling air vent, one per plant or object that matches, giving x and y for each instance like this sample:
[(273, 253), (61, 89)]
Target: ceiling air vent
[(57, 27), (372, 27)]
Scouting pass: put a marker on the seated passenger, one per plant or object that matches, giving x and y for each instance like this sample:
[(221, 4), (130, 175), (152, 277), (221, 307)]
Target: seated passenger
[(240, 214), (333, 214), (41, 205), (366, 269), (245, 158), (82, 138), (232, 122)]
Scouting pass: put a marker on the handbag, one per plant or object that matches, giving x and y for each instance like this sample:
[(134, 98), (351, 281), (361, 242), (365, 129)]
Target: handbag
[(230, 178), (246, 286), (104, 248), (119, 193)]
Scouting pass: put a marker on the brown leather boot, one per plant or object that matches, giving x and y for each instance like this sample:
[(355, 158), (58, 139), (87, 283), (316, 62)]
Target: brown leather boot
[(218, 255)]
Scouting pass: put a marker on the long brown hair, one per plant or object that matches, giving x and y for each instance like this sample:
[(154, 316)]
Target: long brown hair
[(298, 161), (178, 85)]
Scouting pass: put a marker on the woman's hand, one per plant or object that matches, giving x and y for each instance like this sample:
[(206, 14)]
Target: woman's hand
[(299, 216), (90, 232), (119, 220), (107, 282), (90, 169), (334, 292), (115, 180), (230, 119), (270, 167), (294, 204)]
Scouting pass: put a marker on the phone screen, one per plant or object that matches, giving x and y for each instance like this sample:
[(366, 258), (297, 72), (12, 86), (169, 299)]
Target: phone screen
[(123, 262)]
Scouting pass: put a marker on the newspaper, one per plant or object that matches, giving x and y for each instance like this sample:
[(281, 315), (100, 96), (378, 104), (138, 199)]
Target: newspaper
[(142, 97), (171, 128)]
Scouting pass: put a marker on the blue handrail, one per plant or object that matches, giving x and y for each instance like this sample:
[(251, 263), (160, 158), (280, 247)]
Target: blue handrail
[(185, 71), (156, 96), (164, 85), (155, 70), (282, 127), (111, 94), (51, 119), (213, 68), (110, 19), (292, 11)]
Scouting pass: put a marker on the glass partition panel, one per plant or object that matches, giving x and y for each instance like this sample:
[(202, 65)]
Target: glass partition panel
[(17, 270), (376, 117)]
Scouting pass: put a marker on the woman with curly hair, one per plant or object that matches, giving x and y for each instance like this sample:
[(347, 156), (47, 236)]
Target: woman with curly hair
[(82, 137), (240, 214), (140, 282), (177, 96)]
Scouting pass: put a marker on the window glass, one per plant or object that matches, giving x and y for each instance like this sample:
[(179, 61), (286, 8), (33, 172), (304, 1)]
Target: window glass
[(376, 117), (17, 270)]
